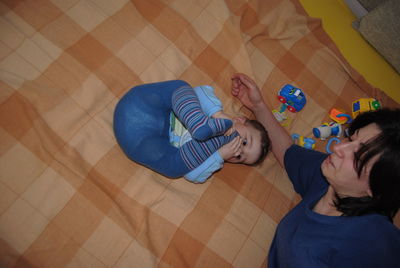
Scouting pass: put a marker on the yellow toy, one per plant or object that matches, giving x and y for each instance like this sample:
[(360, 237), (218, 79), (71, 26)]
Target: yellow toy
[(283, 119), (364, 105), (302, 141)]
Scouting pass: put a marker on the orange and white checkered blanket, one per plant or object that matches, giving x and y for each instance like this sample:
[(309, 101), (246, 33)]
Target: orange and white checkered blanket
[(68, 195)]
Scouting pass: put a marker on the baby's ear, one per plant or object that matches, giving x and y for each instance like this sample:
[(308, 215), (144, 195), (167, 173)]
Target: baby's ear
[(239, 119)]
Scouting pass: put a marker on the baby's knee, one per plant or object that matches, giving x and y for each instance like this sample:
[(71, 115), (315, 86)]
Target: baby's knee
[(178, 83)]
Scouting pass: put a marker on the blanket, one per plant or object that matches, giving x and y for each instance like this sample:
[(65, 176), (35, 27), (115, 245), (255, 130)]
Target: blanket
[(69, 197)]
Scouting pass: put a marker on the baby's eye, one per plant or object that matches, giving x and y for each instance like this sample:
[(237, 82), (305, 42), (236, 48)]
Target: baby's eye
[(238, 157), (244, 142)]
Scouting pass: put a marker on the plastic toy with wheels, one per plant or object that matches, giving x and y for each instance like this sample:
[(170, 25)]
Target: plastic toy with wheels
[(293, 98), (364, 105), (302, 141), (325, 130)]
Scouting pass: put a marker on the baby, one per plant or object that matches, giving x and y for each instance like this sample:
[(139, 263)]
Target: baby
[(147, 127)]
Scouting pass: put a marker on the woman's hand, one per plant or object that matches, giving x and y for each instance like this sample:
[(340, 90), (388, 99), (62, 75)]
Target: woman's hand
[(231, 149), (246, 90)]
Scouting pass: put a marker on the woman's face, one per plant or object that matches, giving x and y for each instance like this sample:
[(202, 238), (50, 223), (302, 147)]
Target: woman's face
[(339, 167)]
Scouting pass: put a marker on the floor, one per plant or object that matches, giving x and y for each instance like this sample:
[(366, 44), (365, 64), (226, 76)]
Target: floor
[(363, 57)]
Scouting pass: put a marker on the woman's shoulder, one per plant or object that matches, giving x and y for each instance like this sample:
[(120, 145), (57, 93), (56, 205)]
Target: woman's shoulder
[(373, 241), (304, 169), (382, 223), (297, 156), (375, 227)]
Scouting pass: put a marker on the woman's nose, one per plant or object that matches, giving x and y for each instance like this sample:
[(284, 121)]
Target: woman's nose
[(341, 148)]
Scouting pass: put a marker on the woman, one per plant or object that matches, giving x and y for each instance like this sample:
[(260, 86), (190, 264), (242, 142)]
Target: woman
[(349, 198)]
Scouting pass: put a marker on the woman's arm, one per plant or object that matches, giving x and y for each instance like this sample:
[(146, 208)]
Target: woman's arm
[(246, 90)]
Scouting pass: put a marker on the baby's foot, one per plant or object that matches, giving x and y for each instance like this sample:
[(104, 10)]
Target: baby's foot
[(210, 127)]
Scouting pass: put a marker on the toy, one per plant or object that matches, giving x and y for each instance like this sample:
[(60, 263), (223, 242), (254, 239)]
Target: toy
[(328, 145), (293, 98), (325, 130), (339, 116), (364, 105), (281, 117), (302, 141)]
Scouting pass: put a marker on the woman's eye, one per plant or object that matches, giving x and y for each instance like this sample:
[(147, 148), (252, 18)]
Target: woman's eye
[(244, 142)]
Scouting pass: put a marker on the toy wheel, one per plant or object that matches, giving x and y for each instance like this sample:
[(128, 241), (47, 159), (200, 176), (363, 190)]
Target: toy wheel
[(376, 105), (282, 99), (291, 109)]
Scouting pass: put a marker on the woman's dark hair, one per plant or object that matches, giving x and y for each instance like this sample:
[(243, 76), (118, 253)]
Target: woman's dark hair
[(265, 141), (384, 178)]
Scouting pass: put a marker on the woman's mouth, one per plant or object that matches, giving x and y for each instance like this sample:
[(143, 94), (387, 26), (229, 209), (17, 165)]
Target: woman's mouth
[(329, 161)]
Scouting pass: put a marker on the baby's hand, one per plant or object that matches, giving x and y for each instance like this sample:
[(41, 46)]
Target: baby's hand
[(229, 131), (231, 149)]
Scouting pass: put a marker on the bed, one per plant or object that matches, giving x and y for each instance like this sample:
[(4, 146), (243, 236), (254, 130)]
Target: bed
[(69, 197)]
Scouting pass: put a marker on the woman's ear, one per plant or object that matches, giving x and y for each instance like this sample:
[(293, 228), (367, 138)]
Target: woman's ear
[(369, 192)]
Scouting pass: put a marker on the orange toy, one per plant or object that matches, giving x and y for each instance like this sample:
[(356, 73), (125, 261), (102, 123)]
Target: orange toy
[(339, 116)]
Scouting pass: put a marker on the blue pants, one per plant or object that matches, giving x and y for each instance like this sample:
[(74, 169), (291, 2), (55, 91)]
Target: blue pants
[(141, 126)]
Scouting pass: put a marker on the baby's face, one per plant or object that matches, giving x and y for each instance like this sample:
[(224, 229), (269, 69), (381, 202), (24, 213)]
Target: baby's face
[(251, 142)]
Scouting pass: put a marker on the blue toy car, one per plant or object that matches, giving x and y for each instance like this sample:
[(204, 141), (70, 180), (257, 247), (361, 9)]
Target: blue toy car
[(292, 97)]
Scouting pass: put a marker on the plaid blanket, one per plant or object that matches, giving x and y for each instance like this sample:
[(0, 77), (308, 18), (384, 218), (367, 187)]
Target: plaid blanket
[(70, 197)]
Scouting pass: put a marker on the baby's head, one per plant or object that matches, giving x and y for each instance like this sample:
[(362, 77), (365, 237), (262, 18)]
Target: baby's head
[(255, 142)]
